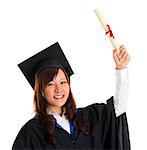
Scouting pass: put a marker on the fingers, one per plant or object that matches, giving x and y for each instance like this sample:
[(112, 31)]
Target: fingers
[(121, 57), (121, 54), (128, 58), (122, 49), (115, 56), (124, 56)]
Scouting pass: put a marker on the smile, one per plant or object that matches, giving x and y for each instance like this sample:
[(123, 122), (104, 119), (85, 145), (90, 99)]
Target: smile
[(58, 96)]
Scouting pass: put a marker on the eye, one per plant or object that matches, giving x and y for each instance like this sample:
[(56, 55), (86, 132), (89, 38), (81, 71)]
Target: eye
[(50, 84), (63, 82)]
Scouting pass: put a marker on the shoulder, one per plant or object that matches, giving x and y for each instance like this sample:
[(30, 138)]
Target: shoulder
[(97, 111), (29, 126), (28, 130), (32, 122), (28, 135), (98, 106)]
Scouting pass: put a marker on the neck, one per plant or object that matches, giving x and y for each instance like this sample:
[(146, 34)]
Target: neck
[(58, 110)]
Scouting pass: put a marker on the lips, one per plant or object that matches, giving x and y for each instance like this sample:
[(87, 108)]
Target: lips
[(58, 96)]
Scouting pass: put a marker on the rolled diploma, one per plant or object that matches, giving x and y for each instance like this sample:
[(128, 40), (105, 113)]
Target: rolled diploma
[(104, 25)]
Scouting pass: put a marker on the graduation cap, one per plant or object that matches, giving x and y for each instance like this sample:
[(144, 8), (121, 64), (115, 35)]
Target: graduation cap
[(51, 57)]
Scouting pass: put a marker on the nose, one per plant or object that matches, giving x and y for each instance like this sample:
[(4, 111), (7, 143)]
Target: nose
[(58, 89)]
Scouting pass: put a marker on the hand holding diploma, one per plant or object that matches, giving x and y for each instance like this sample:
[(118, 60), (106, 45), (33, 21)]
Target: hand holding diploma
[(121, 54)]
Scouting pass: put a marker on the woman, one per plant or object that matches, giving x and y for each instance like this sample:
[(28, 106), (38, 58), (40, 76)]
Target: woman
[(58, 124)]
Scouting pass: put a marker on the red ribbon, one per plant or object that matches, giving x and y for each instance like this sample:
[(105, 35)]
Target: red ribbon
[(110, 32)]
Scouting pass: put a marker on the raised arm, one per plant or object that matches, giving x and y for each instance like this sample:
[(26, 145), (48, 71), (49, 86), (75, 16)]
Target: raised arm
[(122, 59)]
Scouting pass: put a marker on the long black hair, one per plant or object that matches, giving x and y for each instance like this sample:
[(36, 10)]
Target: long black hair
[(46, 121)]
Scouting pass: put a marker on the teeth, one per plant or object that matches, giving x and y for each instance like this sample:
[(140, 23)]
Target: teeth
[(59, 96)]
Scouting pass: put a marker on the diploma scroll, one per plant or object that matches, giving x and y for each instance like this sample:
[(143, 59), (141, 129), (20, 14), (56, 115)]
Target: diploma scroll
[(107, 29)]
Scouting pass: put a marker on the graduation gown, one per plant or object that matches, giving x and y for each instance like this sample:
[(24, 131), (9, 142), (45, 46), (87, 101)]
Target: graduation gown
[(110, 132)]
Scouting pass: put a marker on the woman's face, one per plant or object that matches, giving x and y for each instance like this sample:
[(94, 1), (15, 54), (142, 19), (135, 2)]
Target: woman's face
[(57, 91)]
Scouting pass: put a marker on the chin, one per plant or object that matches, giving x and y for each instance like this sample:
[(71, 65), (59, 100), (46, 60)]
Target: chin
[(61, 104)]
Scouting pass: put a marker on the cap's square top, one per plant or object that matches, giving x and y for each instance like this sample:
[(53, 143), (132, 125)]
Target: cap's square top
[(51, 57)]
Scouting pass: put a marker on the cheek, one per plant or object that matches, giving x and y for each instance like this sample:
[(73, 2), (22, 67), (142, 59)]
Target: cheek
[(67, 90), (48, 93)]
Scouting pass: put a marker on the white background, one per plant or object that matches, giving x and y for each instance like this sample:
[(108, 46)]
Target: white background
[(29, 26)]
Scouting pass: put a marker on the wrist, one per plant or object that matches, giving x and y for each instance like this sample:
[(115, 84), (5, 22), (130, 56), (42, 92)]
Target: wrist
[(120, 68)]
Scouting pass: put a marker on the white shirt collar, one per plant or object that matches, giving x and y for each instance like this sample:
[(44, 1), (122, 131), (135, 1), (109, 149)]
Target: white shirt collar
[(61, 120)]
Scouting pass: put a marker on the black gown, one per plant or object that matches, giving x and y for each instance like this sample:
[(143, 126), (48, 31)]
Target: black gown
[(110, 132)]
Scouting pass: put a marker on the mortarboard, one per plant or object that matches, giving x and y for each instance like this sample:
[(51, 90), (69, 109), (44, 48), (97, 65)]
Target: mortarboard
[(51, 57)]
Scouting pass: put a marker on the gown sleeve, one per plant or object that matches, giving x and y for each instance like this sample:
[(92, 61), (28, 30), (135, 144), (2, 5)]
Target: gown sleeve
[(112, 131)]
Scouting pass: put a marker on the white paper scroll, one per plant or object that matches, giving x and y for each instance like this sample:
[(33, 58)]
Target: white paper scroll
[(107, 29)]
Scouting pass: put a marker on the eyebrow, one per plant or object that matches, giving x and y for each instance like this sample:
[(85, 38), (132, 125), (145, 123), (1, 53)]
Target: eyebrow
[(60, 79), (63, 79)]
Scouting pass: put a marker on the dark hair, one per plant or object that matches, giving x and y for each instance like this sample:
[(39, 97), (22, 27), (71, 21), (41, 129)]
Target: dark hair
[(46, 121)]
